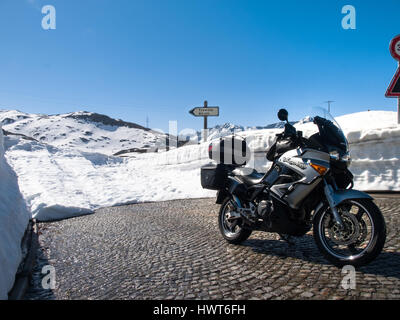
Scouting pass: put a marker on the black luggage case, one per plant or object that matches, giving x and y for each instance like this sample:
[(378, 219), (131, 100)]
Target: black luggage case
[(213, 176)]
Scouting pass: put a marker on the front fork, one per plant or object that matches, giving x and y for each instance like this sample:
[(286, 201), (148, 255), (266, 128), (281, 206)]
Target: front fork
[(329, 191)]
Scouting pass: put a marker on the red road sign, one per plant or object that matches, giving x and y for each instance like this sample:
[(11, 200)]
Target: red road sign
[(395, 47), (394, 88)]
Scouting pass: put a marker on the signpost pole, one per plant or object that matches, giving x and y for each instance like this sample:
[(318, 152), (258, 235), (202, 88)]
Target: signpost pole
[(205, 111), (398, 105), (205, 122)]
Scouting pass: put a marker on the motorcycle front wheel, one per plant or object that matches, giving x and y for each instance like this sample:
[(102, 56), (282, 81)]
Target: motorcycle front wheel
[(230, 226), (359, 242)]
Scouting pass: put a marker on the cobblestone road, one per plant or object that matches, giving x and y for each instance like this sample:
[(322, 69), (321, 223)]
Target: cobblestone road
[(173, 250)]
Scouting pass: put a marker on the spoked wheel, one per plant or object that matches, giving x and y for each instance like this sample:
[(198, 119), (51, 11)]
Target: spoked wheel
[(361, 239), (230, 223)]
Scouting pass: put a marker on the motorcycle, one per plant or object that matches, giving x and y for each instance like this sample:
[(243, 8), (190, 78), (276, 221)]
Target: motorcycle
[(308, 186)]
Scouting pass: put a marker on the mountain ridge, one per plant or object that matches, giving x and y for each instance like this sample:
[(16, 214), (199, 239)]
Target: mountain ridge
[(86, 131), (95, 132)]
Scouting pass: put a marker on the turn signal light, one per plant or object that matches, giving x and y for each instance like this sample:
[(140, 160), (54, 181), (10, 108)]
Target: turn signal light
[(320, 169)]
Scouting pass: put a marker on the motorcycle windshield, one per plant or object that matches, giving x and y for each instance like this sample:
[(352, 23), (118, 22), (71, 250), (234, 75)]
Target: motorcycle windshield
[(329, 134)]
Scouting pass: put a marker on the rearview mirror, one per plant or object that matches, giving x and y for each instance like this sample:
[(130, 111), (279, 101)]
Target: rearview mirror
[(283, 115)]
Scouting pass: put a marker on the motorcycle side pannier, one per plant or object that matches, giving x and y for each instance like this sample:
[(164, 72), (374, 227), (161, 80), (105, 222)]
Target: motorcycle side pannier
[(230, 151), (213, 176)]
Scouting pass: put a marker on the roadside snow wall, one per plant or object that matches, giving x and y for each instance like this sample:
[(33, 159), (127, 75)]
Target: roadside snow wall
[(14, 218)]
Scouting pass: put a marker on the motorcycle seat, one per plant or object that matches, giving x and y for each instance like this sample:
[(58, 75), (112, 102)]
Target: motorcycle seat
[(249, 178)]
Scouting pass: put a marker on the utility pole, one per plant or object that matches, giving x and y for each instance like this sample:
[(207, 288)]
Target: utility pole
[(329, 105), (147, 122)]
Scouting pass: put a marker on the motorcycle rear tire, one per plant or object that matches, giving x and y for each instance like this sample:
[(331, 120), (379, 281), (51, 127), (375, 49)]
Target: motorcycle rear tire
[(236, 238)]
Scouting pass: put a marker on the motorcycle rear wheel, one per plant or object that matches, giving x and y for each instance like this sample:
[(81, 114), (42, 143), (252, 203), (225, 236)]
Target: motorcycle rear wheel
[(231, 230)]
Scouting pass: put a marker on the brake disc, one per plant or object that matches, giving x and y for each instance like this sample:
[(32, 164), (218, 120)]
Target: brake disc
[(351, 232), (363, 233)]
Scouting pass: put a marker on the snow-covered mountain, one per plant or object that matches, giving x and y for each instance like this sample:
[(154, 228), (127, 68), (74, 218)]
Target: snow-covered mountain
[(84, 131), (93, 132), (228, 129), (224, 130)]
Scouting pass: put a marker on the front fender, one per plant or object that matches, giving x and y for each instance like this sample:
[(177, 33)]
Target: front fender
[(339, 196)]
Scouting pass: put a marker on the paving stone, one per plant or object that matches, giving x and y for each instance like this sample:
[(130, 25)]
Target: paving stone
[(173, 250)]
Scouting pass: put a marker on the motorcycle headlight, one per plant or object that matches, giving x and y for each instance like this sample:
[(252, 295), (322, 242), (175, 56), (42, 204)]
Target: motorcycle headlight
[(334, 155), (344, 158)]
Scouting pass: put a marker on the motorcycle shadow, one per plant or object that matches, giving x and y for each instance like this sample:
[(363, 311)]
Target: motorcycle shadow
[(304, 248)]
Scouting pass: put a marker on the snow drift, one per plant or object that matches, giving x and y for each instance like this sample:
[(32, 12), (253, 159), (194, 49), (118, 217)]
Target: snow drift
[(14, 218), (374, 139), (63, 182)]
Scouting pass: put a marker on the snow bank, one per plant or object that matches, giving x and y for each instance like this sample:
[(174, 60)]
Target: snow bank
[(61, 183), (374, 139), (14, 218), (64, 182)]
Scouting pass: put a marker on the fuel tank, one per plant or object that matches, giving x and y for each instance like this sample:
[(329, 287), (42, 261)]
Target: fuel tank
[(296, 164)]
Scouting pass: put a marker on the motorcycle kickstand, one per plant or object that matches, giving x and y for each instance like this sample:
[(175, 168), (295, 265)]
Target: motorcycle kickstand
[(287, 238)]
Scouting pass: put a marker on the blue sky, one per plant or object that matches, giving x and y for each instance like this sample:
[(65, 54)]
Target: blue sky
[(159, 58)]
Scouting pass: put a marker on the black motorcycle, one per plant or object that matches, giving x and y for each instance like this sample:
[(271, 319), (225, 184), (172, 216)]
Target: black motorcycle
[(307, 186)]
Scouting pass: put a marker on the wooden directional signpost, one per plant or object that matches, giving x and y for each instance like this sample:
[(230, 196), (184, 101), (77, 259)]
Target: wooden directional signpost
[(205, 112), (394, 88)]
